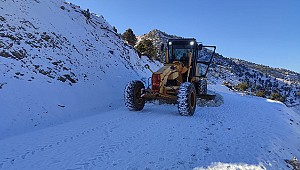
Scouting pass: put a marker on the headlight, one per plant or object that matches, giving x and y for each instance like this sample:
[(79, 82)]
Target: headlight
[(170, 43), (192, 43)]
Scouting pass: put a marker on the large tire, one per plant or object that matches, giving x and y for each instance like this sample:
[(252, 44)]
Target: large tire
[(186, 99), (132, 96), (201, 86)]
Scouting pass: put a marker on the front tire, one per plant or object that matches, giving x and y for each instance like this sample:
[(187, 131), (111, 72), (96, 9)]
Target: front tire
[(133, 96), (186, 99)]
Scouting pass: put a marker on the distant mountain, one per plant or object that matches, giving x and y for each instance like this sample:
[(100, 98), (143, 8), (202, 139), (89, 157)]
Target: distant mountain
[(157, 37), (259, 78)]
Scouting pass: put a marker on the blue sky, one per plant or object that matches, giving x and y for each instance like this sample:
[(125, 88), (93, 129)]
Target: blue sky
[(265, 32)]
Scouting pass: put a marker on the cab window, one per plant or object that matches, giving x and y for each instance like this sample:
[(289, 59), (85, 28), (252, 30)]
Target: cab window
[(179, 53)]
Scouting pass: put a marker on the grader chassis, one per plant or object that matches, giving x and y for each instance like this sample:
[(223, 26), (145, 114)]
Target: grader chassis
[(181, 80)]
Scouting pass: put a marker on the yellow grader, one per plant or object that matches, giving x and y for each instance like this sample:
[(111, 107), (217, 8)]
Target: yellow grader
[(181, 80)]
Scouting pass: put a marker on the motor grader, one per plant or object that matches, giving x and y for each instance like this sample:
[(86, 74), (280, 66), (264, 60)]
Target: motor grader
[(181, 80)]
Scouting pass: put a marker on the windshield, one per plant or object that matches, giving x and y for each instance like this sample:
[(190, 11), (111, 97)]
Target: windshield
[(179, 53)]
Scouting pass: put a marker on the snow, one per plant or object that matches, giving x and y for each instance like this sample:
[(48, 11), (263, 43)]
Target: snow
[(49, 124), (245, 132), (296, 109), (228, 166)]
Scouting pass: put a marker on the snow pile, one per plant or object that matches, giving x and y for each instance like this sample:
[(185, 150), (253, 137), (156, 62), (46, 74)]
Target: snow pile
[(216, 102), (227, 166), (55, 63)]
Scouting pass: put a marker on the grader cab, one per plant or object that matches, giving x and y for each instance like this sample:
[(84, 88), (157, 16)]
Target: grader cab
[(181, 80)]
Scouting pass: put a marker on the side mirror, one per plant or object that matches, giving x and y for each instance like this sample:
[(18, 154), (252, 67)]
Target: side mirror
[(162, 47), (200, 46)]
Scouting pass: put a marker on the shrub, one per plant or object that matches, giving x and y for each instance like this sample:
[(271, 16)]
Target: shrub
[(277, 96), (242, 86), (298, 94), (260, 93)]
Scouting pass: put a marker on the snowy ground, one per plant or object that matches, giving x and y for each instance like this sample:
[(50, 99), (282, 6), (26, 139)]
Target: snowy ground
[(244, 132), (296, 109)]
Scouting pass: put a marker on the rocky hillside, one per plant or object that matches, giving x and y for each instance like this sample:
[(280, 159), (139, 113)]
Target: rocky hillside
[(58, 62), (59, 43), (279, 84), (158, 38)]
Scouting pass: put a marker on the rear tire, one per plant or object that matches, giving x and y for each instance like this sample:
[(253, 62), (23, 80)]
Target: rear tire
[(186, 99), (133, 96), (201, 86)]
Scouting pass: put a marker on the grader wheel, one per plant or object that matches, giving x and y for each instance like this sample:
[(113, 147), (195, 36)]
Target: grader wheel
[(133, 96), (186, 99)]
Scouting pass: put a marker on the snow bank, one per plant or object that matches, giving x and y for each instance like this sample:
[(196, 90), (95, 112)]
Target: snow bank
[(231, 166)]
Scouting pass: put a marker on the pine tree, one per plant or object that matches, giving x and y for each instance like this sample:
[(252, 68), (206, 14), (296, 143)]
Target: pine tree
[(115, 29), (146, 47), (130, 37)]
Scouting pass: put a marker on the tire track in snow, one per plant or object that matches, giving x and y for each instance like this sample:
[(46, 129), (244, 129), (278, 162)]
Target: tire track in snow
[(11, 160), (166, 140), (107, 151)]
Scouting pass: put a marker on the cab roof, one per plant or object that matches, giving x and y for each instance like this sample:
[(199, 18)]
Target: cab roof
[(182, 40)]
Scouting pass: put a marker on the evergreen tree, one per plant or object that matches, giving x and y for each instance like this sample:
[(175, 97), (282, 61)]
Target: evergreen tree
[(146, 47), (130, 37), (115, 29)]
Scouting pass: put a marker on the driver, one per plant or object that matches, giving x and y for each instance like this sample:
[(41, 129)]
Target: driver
[(184, 59)]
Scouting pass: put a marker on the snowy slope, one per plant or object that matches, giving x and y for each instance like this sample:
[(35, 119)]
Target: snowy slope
[(54, 65), (246, 132)]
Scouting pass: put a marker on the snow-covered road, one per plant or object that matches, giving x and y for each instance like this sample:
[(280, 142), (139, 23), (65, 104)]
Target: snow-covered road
[(245, 132)]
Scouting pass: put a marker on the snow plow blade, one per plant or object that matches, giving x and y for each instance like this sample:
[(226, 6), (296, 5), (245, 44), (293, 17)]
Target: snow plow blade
[(207, 96)]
